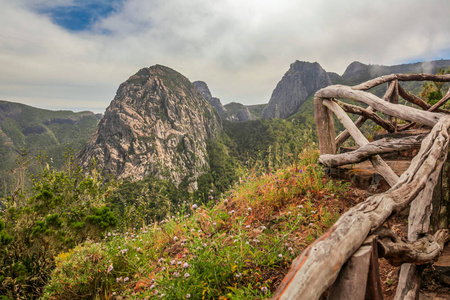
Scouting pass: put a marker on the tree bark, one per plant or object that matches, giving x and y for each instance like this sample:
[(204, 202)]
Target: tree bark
[(395, 110), (401, 77), (379, 165), (368, 114), (317, 267), (325, 127), (420, 252), (371, 149)]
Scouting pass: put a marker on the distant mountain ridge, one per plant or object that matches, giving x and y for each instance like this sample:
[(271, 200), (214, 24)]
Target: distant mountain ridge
[(303, 79), (35, 131)]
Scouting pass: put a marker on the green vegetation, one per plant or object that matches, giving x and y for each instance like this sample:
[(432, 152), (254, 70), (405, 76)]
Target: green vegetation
[(40, 132), (237, 248), (63, 209)]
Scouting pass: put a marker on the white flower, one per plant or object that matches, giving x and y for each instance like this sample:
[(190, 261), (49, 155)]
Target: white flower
[(186, 275), (238, 275), (300, 206), (175, 238), (249, 209), (185, 265), (232, 211), (194, 206), (214, 224), (280, 255), (188, 295), (264, 289)]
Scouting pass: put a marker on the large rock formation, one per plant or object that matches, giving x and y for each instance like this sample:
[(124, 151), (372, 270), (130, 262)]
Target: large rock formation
[(301, 81), (215, 102), (157, 124), (238, 112)]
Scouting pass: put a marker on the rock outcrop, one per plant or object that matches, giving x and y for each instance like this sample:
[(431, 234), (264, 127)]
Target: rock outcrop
[(157, 124), (301, 81), (215, 102), (238, 112)]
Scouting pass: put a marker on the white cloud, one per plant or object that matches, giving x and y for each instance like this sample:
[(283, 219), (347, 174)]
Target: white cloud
[(240, 48)]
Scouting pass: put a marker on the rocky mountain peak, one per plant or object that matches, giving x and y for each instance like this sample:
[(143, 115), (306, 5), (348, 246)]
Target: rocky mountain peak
[(157, 124), (301, 81), (202, 87)]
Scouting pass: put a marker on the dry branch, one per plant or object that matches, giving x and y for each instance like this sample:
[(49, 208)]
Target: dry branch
[(379, 165), (368, 114), (395, 110), (422, 251), (401, 77), (318, 266), (378, 147)]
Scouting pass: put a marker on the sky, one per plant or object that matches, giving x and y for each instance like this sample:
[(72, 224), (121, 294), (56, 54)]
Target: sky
[(73, 54)]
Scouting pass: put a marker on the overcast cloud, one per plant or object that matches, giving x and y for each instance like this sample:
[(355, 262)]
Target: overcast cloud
[(240, 48)]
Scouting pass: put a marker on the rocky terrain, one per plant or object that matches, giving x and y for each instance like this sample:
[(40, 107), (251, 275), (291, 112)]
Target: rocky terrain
[(157, 124), (302, 80)]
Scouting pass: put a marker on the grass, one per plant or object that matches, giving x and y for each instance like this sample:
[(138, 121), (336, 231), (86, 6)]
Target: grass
[(239, 246)]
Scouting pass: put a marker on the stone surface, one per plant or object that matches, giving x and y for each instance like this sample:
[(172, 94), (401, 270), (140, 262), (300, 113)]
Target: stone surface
[(301, 81), (202, 87), (157, 124)]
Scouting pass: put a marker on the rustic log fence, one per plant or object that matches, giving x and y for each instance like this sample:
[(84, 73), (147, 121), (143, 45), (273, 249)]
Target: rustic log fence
[(344, 260)]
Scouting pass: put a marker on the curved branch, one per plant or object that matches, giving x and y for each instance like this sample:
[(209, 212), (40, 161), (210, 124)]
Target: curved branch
[(367, 114), (395, 110), (401, 77)]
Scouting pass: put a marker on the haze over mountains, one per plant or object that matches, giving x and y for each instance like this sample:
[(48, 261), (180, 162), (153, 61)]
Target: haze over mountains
[(159, 122)]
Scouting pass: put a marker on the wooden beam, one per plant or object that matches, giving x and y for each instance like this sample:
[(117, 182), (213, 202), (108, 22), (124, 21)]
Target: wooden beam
[(401, 77), (371, 149), (325, 127), (318, 266), (379, 165), (368, 114), (395, 110), (351, 282)]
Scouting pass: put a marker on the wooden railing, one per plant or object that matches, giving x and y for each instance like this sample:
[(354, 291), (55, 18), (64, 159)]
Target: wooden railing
[(353, 241)]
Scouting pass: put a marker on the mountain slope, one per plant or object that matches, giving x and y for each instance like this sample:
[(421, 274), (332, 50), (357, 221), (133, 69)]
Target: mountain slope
[(30, 130), (157, 124), (301, 81)]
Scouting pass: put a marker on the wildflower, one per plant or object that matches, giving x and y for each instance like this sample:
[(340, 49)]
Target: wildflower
[(173, 262), (192, 230), (300, 206), (110, 268), (225, 201), (175, 238), (188, 295), (185, 265), (119, 279), (211, 191), (186, 275), (179, 263), (152, 286), (176, 274), (199, 231), (161, 259), (214, 224), (235, 241), (263, 227), (231, 211), (289, 212), (194, 206), (264, 289), (311, 224), (280, 255), (290, 249), (313, 211), (248, 226), (163, 268), (126, 279), (238, 275), (249, 209)]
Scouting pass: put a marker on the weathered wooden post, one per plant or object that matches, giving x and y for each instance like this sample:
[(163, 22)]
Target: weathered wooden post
[(325, 127)]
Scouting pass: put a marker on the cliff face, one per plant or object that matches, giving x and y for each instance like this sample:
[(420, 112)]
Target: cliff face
[(157, 124), (202, 87), (301, 81)]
